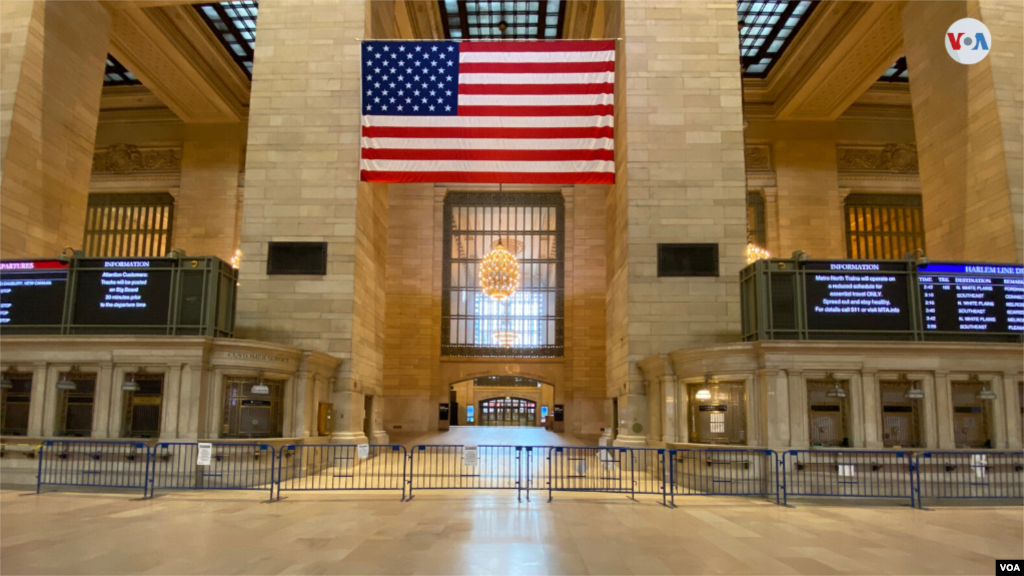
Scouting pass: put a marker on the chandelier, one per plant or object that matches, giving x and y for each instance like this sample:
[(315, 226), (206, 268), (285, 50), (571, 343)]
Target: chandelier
[(499, 273), (755, 253), (506, 338)]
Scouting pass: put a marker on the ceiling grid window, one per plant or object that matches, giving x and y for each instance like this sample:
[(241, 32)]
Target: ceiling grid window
[(234, 23), (766, 29), (478, 20), (117, 75)]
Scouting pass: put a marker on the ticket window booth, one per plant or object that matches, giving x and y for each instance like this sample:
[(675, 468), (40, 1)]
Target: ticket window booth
[(15, 395), (508, 412), (828, 412), (75, 400), (143, 400), (971, 414), (716, 413), (901, 413), (253, 408)]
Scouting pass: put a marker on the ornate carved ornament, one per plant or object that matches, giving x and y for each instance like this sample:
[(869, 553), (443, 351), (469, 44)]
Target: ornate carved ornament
[(758, 158), (896, 158), (128, 159)]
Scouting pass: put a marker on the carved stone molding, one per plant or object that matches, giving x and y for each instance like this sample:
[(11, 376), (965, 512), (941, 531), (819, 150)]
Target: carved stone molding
[(758, 158), (128, 159), (893, 158)]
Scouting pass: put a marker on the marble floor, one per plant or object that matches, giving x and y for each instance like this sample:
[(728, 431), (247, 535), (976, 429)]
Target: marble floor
[(490, 533), (482, 435)]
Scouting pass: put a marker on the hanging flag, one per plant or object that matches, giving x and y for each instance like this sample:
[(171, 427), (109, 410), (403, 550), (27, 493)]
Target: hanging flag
[(499, 112)]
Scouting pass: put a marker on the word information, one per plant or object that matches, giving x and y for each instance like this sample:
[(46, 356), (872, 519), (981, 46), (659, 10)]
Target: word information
[(972, 297), (856, 296), (123, 292), (32, 293)]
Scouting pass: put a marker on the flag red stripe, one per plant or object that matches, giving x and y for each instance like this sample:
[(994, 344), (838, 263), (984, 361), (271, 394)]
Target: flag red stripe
[(596, 110), (487, 155), (547, 46), (535, 67), (541, 89), (490, 177), (474, 132)]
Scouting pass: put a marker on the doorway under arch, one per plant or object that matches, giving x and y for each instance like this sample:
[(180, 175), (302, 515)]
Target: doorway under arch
[(508, 412), (495, 400)]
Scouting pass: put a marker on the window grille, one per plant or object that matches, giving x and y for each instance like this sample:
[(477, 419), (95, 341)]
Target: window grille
[(508, 412), (828, 415), (15, 404), (719, 419), (249, 414), (757, 232), (530, 323), (74, 415), (142, 407), (970, 416), (129, 225), (901, 420), (883, 226)]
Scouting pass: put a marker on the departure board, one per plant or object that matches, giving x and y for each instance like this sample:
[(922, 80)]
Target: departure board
[(869, 296), (972, 298), (32, 292), (123, 292)]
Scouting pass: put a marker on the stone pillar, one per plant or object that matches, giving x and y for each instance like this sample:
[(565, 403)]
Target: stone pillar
[(348, 428), (169, 404), (302, 184), (632, 419), (1011, 405), (655, 406), (101, 400), (871, 406), (967, 119), (998, 411), (944, 411), (678, 104), (53, 58), (810, 215), (929, 421), (799, 412), (669, 390), (775, 383), (37, 401)]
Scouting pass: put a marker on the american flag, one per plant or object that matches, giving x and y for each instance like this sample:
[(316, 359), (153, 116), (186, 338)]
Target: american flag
[(499, 112)]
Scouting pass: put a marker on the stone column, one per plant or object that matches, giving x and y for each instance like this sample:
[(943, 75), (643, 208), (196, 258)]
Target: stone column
[(632, 418), (101, 400), (771, 219), (53, 58), (37, 401), (679, 106), (871, 406), (169, 404), (929, 421), (348, 428), (798, 412), (810, 216), (776, 386), (944, 411), (302, 184), (669, 391), (1011, 405), (967, 119), (997, 409), (49, 412)]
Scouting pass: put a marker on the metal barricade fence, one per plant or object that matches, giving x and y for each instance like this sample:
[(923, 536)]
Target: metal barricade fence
[(453, 467), (606, 469), (723, 472), (312, 467), (232, 467), (969, 475), (846, 474), (93, 463)]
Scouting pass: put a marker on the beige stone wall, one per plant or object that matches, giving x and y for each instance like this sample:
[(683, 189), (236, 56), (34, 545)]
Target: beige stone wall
[(809, 210), (53, 56), (966, 161), (207, 203)]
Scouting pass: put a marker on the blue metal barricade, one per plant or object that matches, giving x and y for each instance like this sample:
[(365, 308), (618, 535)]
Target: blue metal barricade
[(723, 471), (606, 469), (311, 467), (847, 474), (455, 467), (93, 463), (982, 474), (232, 467)]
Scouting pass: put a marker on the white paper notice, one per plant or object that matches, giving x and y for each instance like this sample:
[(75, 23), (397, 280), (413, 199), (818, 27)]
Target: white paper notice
[(469, 456), (363, 450), (205, 452), (979, 463), (847, 470), (581, 467)]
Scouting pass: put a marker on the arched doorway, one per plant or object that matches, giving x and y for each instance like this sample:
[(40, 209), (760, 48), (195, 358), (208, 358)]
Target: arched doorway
[(508, 412)]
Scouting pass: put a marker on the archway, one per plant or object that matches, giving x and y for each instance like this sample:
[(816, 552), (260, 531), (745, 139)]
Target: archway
[(507, 412), (501, 401)]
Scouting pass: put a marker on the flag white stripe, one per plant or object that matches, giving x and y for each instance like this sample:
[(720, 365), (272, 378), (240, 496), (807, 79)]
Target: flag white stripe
[(489, 121), (535, 100), (525, 57), (485, 166), (488, 143), (570, 78)]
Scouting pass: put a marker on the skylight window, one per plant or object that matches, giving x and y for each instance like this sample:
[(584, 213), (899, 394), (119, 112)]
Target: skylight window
[(766, 29), (897, 72), (117, 75), (476, 20), (234, 23)]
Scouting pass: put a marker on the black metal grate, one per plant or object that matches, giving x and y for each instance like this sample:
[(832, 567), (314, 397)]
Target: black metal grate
[(74, 416), (883, 226), (766, 29), (478, 20), (757, 232), (117, 75), (234, 23), (129, 225), (897, 72), (531, 226), (14, 404), (248, 413)]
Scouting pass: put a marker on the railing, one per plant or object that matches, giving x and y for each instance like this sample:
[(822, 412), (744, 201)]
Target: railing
[(232, 467), (846, 474), (312, 467), (969, 475), (93, 463), (450, 467), (595, 469), (620, 470), (723, 472)]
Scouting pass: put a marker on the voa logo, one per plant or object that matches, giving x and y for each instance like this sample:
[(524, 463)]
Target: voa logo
[(968, 41)]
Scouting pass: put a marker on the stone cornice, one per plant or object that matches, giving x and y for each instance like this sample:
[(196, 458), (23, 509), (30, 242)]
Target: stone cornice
[(129, 159), (892, 158)]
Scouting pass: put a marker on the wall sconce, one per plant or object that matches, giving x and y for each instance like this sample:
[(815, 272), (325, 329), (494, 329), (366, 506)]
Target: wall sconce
[(6, 383), (260, 387), (131, 385), (986, 393), (65, 382), (835, 391), (912, 393), (705, 392)]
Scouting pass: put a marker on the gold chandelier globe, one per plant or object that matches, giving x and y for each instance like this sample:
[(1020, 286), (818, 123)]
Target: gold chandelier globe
[(499, 273)]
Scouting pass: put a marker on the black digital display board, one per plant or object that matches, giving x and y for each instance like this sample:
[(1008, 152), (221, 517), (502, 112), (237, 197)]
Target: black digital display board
[(32, 292), (972, 298), (870, 296), (123, 292)]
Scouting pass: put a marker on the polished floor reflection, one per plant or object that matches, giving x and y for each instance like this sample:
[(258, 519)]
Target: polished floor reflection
[(489, 533)]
